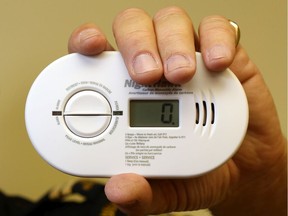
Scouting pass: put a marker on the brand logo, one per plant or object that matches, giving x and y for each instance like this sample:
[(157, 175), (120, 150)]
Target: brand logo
[(129, 83)]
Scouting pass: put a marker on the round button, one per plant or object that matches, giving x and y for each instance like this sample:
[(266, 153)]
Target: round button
[(87, 113)]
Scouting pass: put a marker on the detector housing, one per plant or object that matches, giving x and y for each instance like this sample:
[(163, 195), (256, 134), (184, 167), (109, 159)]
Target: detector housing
[(86, 117)]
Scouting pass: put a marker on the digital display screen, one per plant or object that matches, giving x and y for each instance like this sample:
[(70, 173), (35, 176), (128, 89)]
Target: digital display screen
[(154, 113)]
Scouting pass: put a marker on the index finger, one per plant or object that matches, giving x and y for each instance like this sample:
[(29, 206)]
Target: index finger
[(136, 40)]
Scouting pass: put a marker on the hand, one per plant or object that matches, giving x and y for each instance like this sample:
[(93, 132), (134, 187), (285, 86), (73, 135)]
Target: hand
[(253, 181)]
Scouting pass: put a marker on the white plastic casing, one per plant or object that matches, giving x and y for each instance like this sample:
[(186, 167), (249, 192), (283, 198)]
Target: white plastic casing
[(78, 119)]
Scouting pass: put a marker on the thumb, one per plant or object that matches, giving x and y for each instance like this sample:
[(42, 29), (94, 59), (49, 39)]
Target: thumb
[(130, 192)]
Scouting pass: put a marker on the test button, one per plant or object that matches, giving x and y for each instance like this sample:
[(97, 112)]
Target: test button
[(87, 113)]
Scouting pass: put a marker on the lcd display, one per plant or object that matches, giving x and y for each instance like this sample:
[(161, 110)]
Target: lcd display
[(154, 113)]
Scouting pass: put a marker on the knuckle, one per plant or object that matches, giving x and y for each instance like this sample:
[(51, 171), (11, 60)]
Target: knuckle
[(136, 37), (170, 39), (216, 24), (173, 23), (133, 26), (129, 15), (217, 35), (168, 12), (131, 22)]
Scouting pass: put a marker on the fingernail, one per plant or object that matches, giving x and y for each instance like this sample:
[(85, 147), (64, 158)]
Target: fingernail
[(217, 52), (178, 61), (144, 62), (88, 34)]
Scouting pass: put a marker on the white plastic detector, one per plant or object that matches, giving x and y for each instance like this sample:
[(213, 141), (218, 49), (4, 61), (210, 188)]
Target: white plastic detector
[(86, 117)]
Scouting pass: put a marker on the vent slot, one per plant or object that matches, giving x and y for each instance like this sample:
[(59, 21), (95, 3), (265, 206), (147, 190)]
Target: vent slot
[(205, 113), (197, 113), (212, 113)]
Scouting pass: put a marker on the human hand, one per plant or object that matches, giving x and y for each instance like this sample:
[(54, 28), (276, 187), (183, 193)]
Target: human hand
[(250, 183)]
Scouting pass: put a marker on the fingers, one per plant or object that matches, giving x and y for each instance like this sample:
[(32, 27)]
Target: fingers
[(166, 44), (217, 42), (175, 39), (153, 47), (135, 37), (88, 40), (163, 45)]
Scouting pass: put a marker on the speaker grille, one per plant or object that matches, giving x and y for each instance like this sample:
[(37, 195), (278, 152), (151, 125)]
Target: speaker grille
[(205, 111)]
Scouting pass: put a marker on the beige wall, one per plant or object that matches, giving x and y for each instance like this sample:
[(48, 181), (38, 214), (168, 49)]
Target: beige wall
[(33, 33)]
